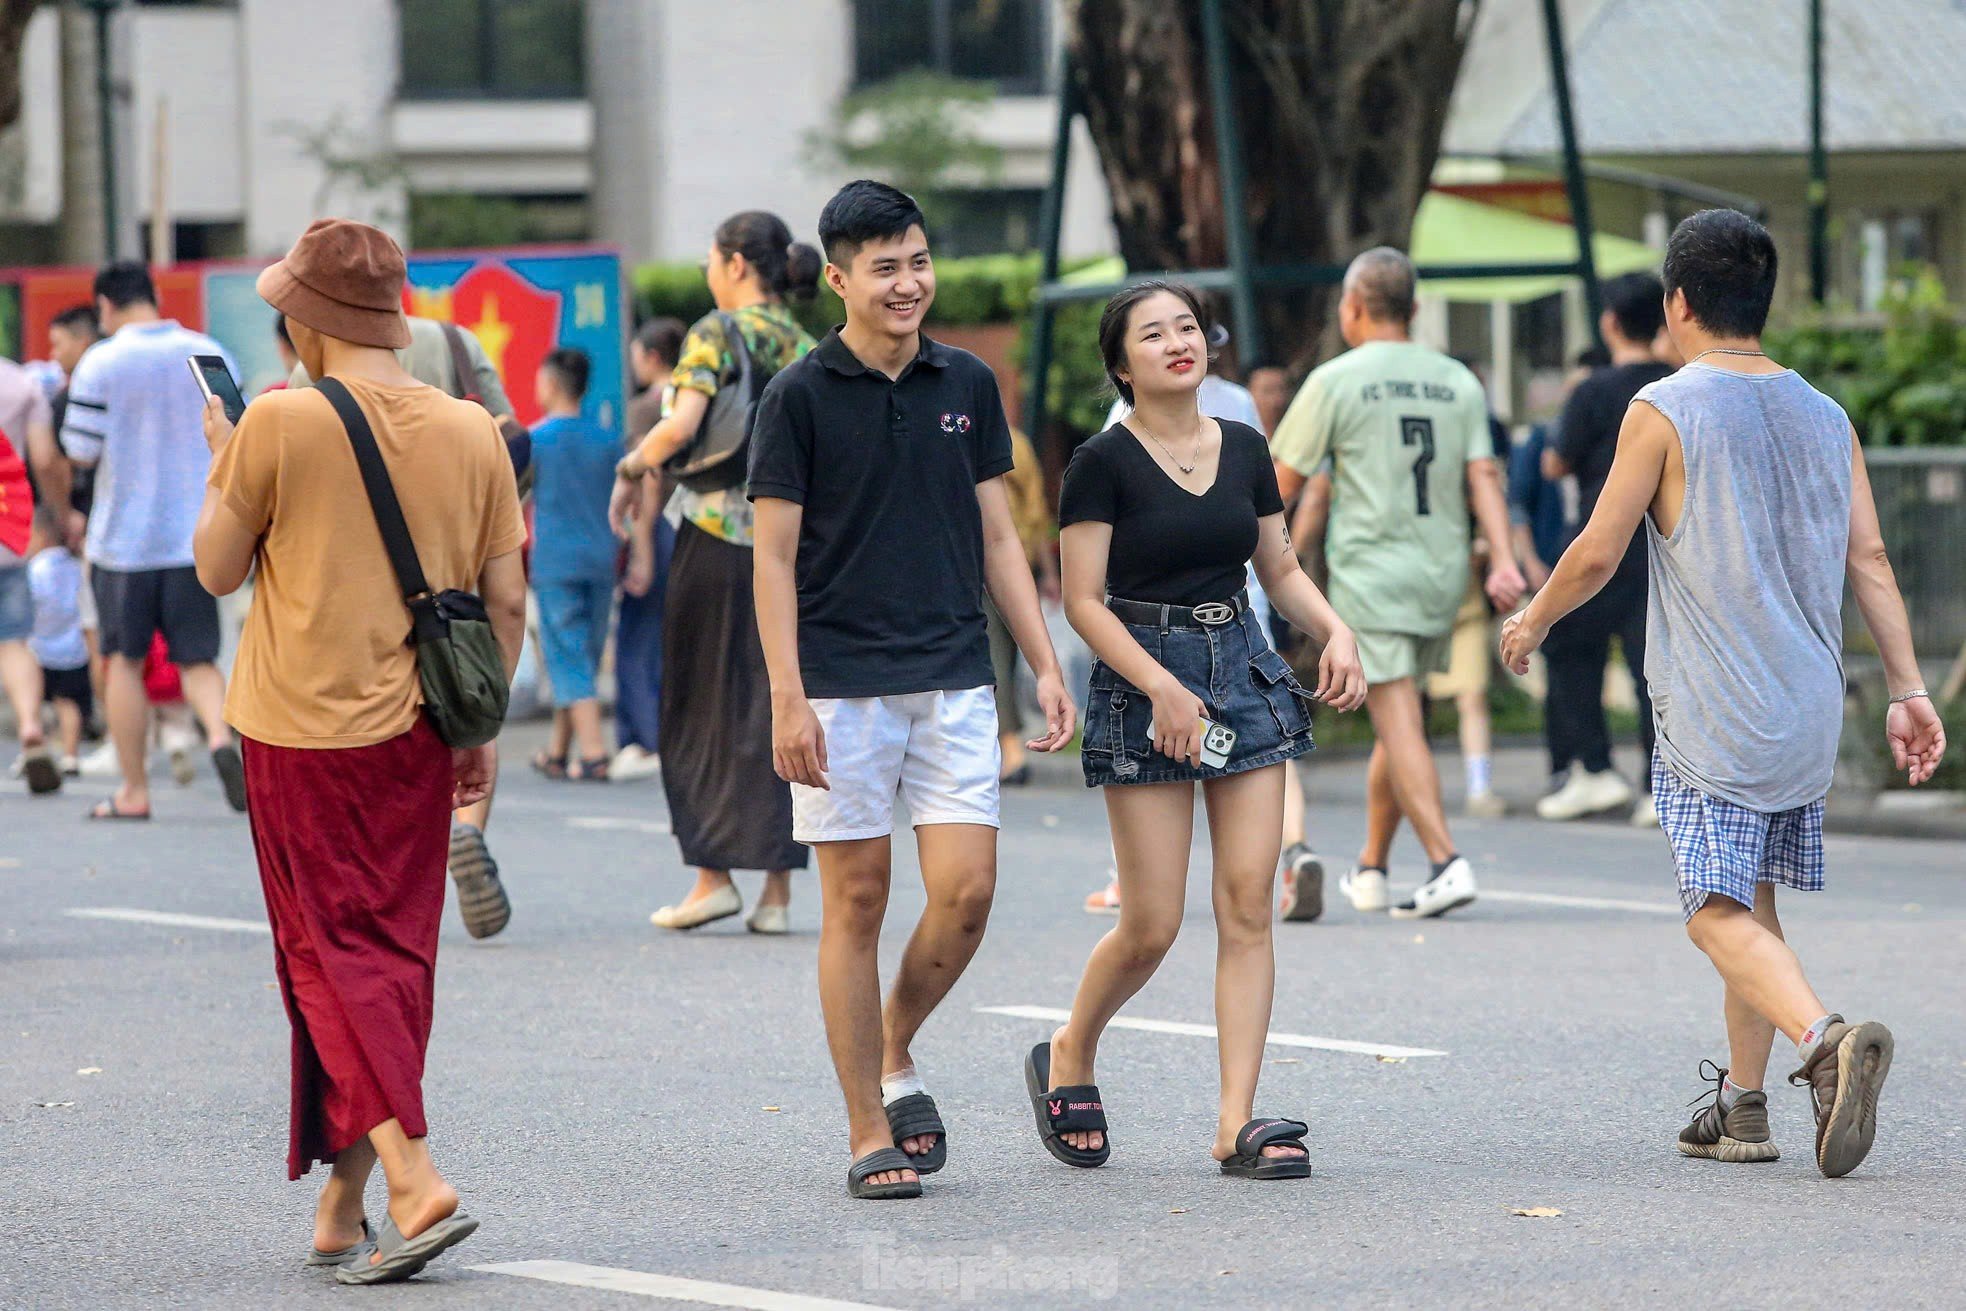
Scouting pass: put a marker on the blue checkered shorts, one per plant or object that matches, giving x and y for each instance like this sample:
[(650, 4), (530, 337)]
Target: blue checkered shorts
[(1721, 849)]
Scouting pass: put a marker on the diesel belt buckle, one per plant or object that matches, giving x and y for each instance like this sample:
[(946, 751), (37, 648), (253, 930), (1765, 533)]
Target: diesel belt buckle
[(1214, 612)]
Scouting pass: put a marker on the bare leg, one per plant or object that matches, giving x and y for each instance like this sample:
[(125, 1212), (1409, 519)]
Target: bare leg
[(20, 672), (129, 723), (586, 719), (1014, 755), (1293, 804), (1245, 812), (204, 692), (68, 716), (418, 1196), (778, 888), (853, 883), (1153, 825), (478, 814), (1749, 1036), (557, 745), (1382, 814), (959, 871), (1395, 709), (1762, 974), (708, 881), (339, 1214)]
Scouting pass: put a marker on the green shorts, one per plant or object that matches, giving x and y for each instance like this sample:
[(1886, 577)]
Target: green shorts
[(1389, 657)]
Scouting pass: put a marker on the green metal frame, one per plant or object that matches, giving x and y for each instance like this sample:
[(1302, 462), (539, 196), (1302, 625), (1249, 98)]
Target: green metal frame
[(1241, 278)]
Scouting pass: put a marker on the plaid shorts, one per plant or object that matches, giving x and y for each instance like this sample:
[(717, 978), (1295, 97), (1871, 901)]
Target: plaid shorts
[(1719, 848)]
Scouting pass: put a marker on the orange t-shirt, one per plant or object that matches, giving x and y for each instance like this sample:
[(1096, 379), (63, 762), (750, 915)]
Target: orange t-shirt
[(323, 661)]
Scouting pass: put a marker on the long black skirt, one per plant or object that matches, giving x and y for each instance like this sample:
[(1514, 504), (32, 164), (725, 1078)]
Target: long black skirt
[(729, 808)]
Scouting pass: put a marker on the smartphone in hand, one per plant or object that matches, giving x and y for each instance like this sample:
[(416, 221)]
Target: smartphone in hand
[(214, 379)]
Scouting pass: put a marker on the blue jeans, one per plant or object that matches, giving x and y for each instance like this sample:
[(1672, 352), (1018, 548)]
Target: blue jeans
[(573, 628), (638, 652)]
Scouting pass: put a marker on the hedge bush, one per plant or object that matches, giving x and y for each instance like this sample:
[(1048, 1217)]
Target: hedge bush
[(1904, 384)]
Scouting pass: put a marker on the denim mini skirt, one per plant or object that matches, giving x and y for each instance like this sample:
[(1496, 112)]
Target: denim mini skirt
[(1241, 681)]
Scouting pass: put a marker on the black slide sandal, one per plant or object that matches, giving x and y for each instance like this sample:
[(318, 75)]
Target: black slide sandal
[(882, 1162), (231, 776), (1075, 1109), (911, 1117), (1249, 1161)]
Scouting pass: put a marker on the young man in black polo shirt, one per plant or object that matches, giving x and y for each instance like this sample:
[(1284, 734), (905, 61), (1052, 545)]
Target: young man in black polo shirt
[(877, 466)]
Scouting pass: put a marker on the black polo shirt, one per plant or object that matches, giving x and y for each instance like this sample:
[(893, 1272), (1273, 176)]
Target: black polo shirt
[(890, 567)]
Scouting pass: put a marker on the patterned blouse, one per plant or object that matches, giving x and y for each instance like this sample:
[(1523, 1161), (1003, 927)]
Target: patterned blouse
[(774, 339)]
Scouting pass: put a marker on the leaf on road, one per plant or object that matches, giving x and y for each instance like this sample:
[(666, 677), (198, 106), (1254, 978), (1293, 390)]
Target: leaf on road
[(1286, 1060), (774, 1109), (51, 1106), (90, 1069), (1535, 1212), (1177, 1210), (1392, 1060), (1419, 937)]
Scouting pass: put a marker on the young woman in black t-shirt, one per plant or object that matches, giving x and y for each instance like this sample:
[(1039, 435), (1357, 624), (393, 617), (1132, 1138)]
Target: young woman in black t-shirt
[(1160, 517)]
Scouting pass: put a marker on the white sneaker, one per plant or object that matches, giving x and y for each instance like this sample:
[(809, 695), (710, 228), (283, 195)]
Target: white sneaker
[(1585, 793), (1645, 814), (634, 762), (1485, 805), (1450, 889), (1366, 888), (101, 763)]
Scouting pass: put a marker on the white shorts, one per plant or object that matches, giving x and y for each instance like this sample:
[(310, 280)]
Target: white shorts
[(937, 750)]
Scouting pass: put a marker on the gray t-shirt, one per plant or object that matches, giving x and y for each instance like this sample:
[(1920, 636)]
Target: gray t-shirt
[(1744, 636), (428, 359)]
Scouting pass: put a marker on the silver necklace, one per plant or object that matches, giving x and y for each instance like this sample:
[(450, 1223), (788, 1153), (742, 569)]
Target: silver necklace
[(1187, 468), (1725, 350)]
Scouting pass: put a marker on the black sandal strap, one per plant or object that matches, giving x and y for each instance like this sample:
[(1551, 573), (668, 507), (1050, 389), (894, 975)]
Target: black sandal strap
[(1076, 1108), (1258, 1134), (913, 1116), (880, 1161)]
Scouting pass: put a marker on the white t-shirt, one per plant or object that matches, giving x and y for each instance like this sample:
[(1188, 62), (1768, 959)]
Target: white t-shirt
[(135, 411), (55, 578)]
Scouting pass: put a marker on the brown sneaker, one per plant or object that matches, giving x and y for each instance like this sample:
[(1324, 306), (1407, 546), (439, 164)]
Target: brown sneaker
[(1738, 1134), (1844, 1078)]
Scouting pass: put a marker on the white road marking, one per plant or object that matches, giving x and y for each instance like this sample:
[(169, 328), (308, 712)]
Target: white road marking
[(669, 1287), (168, 919), (614, 823), (1581, 903), (1208, 1031)]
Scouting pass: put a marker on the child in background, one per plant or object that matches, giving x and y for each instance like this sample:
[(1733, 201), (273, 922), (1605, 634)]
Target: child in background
[(573, 562), (54, 576)]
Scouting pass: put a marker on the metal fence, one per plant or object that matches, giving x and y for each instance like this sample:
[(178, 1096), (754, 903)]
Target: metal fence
[(1921, 506)]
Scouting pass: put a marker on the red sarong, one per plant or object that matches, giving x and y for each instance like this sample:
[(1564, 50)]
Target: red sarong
[(352, 844)]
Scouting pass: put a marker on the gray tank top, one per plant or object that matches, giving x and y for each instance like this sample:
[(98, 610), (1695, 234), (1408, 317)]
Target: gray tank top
[(1744, 640)]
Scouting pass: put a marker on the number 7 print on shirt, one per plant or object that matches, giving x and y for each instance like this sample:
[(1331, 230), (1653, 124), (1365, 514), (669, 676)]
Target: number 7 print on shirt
[(1418, 430)]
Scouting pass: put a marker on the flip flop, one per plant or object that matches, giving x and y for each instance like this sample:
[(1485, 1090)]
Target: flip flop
[(43, 775), (882, 1161), (1077, 1108), (404, 1257), (911, 1117), (232, 775), (316, 1257), (107, 809), (554, 767), (589, 771), (1249, 1161)]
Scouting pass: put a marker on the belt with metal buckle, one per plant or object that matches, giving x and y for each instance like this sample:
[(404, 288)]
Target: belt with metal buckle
[(1208, 614)]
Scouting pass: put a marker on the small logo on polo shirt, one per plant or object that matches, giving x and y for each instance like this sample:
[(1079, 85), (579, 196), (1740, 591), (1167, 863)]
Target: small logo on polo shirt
[(955, 423)]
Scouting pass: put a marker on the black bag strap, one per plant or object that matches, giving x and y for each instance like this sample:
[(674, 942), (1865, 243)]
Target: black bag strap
[(382, 492), (740, 354)]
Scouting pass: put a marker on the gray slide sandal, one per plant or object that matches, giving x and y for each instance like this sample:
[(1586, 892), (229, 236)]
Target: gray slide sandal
[(404, 1257), (316, 1257)]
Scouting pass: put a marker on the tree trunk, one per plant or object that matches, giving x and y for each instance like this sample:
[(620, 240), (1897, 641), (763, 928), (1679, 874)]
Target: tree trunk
[(13, 29), (1341, 104)]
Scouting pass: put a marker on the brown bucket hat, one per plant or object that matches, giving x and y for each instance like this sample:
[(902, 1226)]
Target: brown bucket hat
[(344, 279)]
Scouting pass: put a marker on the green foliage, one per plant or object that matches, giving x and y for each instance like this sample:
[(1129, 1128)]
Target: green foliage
[(1903, 384), (461, 221), (915, 131)]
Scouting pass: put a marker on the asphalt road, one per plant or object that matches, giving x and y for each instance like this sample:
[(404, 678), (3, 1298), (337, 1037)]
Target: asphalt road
[(646, 1108)]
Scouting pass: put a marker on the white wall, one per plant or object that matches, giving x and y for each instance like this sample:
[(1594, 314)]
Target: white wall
[(30, 151), (309, 63), (189, 60)]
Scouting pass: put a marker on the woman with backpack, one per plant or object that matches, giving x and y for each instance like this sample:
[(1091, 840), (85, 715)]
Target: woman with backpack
[(729, 809)]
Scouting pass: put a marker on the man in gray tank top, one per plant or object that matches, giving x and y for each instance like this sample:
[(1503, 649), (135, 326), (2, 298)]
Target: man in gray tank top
[(1752, 489)]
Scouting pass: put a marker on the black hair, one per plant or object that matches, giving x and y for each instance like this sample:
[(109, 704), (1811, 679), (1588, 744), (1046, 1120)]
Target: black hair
[(1725, 263), (662, 338), (78, 319), (280, 330), (1112, 324), (865, 211), (1637, 302), (1593, 356), (570, 368), (789, 269), (124, 283)]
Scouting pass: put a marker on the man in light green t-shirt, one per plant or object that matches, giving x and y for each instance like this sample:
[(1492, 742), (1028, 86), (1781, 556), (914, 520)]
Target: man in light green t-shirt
[(1406, 429)]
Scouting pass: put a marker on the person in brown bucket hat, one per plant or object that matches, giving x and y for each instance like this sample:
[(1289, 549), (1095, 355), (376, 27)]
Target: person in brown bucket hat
[(349, 786)]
